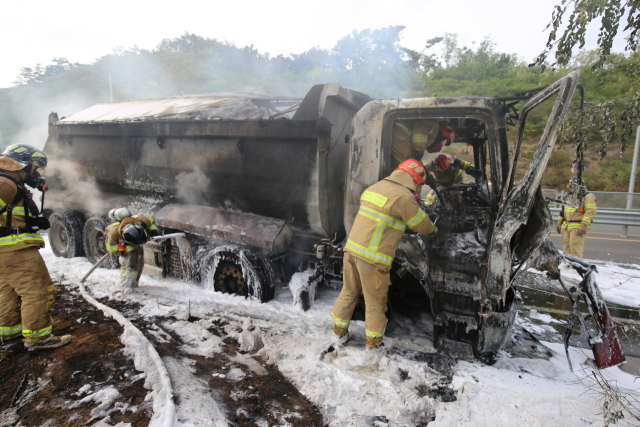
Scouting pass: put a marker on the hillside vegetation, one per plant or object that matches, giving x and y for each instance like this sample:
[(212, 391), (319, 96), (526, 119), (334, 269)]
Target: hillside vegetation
[(371, 61)]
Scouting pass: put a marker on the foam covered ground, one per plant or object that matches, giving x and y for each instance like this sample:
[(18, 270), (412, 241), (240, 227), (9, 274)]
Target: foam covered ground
[(351, 386)]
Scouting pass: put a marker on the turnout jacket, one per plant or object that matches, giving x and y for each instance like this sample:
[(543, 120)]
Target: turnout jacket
[(451, 175), (113, 232), (8, 191), (571, 218), (387, 208), (408, 138)]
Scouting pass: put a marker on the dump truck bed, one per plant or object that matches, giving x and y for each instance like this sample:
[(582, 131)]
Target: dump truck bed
[(232, 152)]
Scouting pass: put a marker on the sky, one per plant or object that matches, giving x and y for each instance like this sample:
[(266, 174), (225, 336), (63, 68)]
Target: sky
[(83, 31)]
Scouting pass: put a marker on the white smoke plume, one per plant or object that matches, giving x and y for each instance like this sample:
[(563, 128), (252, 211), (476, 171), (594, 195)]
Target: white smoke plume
[(192, 187), (78, 190)]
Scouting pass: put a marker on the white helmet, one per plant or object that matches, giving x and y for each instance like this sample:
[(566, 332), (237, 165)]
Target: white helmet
[(119, 214)]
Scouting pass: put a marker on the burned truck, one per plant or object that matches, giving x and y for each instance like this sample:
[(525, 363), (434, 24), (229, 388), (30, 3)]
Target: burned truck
[(266, 186)]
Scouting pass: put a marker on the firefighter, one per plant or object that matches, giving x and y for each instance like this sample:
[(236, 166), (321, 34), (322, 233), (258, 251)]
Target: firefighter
[(26, 289), (411, 140), (573, 223), (432, 199), (447, 170), (125, 237), (387, 208)]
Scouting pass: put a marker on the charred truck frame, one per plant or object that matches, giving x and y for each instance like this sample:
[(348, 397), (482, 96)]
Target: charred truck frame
[(282, 183)]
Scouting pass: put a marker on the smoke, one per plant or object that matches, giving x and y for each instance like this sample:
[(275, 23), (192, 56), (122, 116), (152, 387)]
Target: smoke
[(79, 190), (192, 187)]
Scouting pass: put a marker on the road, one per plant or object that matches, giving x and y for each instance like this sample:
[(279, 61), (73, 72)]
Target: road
[(604, 243)]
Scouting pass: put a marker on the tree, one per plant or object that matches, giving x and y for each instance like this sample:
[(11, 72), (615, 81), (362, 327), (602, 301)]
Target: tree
[(39, 73), (584, 12), (188, 43)]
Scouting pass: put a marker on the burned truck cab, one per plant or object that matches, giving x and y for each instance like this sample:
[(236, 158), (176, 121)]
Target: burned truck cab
[(464, 274)]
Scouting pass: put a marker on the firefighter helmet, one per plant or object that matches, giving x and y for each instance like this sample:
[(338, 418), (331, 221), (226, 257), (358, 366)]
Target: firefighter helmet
[(448, 132), (572, 184), (119, 214), (135, 234), (26, 154), (443, 161), (415, 169)]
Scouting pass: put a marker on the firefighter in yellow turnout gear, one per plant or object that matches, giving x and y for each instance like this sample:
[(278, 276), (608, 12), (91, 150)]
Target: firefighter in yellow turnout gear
[(26, 289), (573, 223), (125, 237), (410, 139), (387, 208)]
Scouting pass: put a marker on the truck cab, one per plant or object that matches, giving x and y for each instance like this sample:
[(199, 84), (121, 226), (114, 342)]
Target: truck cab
[(488, 227)]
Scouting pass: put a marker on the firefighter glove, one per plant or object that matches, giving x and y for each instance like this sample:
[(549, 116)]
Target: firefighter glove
[(559, 227), (582, 231), (434, 233), (38, 223), (476, 173)]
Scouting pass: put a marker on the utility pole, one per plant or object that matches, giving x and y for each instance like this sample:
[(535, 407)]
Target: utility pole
[(632, 179), (110, 89)]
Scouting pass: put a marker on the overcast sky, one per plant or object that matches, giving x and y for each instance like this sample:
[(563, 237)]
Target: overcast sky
[(37, 31)]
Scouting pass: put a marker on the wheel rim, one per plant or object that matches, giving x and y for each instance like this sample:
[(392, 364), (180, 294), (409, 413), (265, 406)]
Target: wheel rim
[(60, 237), (229, 280), (97, 243)]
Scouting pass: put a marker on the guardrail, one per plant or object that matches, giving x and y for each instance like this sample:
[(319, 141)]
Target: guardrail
[(611, 207)]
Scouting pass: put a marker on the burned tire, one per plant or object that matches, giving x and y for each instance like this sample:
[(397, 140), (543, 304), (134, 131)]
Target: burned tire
[(240, 272), (65, 234), (93, 241)]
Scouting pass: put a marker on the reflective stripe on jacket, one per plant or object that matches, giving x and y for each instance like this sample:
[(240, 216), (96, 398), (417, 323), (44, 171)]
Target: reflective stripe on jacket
[(572, 218), (387, 208), (14, 242), (432, 199)]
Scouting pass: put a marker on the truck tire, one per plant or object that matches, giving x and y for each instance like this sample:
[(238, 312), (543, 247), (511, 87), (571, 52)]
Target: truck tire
[(240, 272), (93, 242), (65, 234)]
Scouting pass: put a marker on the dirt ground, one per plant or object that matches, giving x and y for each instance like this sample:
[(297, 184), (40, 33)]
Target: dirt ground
[(41, 388)]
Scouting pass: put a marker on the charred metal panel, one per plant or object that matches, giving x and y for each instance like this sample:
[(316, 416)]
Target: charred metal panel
[(518, 201), (286, 129), (496, 327), (248, 229)]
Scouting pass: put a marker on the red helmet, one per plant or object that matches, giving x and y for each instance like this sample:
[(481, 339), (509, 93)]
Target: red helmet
[(415, 169), (443, 161), (448, 131)]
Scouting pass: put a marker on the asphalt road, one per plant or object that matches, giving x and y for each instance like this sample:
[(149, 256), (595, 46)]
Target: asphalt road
[(604, 243)]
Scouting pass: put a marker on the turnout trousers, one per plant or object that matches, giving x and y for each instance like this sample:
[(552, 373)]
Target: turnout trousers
[(372, 280), (572, 243), (131, 265), (26, 296)]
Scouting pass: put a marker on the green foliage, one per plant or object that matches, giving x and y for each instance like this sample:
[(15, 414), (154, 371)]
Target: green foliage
[(40, 73), (584, 12)]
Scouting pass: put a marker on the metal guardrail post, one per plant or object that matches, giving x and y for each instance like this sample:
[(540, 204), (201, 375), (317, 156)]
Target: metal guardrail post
[(632, 179)]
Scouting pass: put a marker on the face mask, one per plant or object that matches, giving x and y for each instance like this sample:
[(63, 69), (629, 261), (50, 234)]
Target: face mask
[(35, 180)]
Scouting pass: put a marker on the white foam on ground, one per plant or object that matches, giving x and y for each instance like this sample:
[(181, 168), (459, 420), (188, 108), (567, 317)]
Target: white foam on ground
[(349, 385)]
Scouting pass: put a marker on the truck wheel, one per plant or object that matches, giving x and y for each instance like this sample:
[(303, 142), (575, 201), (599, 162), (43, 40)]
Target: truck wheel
[(239, 272), (228, 279), (93, 241), (65, 234)]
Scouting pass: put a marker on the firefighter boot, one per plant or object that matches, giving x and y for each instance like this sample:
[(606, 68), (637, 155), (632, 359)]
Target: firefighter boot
[(342, 337), (8, 342), (53, 342)]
